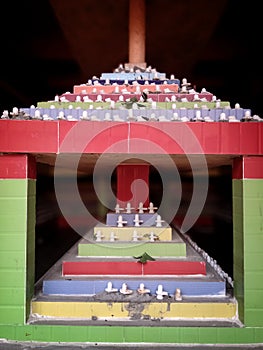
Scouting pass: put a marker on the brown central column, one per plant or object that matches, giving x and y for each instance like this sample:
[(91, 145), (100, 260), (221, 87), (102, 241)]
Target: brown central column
[(137, 33)]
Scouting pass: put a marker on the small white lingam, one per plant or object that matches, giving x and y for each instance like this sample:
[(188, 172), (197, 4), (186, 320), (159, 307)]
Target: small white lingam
[(120, 221), (99, 236), (37, 114), (5, 114), (129, 208), (152, 208), (141, 208), (137, 220), (160, 293), (152, 236), (84, 115), (124, 289), (178, 294), (61, 115), (135, 236), (159, 221), (110, 289), (118, 209), (113, 237), (143, 290)]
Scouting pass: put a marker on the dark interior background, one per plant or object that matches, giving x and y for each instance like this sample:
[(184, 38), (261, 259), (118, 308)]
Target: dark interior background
[(48, 46)]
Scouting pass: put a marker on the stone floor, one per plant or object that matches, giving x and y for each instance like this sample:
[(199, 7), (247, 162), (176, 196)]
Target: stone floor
[(138, 346)]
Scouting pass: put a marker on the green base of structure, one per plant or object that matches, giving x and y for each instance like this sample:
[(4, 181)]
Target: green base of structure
[(132, 334)]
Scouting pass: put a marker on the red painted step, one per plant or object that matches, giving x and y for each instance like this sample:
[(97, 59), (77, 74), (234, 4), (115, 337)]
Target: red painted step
[(133, 268)]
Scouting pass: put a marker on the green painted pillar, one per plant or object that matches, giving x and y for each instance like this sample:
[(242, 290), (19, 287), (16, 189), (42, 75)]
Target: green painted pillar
[(17, 236), (248, 238)]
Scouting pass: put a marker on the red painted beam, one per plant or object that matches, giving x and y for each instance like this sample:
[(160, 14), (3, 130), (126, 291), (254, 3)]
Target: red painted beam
[(30, 136), (133, 268)]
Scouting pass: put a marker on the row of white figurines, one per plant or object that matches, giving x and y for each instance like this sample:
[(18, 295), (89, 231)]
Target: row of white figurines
[(141, 209), (160, 292), (135, 236)]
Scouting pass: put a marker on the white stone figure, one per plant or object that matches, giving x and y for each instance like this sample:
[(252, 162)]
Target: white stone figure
[(113, 237), (107, 81), (135, 236), (173, 106), (37, 114), (175, 116), (124, 289), (178, 294), (208, 119), (91, 106), (118, 209), (237, 105), (78, 98), (84, 115), (70, 118), (222, 117), (198, 115), (196, 97), (152, 236), (137, 220), (160, 293), (152, 208), (116, 89), (129, 208), (112, 104), (184, 90), (14, 112), (107, 116), (141, 208), (87, 99), (110, 289), (143, 290), (47, 117), (247, 115), (120, 221), (233, 119), (99, 236), (121, 98), (5, 114), (61, 115), (173, 99), (99, 98), (218, 104), (159, 221)]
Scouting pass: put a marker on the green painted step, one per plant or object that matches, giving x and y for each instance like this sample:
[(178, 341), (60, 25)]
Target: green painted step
[(160, 249), (119, 105)]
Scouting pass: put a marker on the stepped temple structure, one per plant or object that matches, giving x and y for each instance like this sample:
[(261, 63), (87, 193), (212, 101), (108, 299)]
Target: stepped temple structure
[(136, 276)]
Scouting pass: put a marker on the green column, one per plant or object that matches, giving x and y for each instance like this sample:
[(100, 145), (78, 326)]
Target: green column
[(248, 238), (17, 237)]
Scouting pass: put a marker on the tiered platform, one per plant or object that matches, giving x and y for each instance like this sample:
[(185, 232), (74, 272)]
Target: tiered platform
[(76, 287)]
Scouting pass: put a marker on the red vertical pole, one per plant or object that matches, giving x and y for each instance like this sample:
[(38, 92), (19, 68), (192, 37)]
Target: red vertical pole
[(133, 184)]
